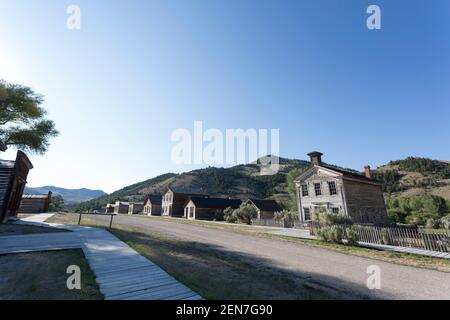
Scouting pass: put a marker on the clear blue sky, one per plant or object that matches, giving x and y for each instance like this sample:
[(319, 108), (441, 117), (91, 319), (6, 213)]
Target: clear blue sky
[(137, 70)]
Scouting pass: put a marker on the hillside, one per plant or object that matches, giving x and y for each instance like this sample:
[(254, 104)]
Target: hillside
[(415, 176), (70, 196), (403, 177)]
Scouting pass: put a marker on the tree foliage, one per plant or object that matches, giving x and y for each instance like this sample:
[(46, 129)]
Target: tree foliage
[(22, 119)]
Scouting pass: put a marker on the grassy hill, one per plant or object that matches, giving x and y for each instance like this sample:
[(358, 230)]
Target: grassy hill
[(415, 176), (403, 177)]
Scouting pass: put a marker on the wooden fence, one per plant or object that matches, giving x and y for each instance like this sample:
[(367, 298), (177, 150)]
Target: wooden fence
[(268, 222), (405, 236)]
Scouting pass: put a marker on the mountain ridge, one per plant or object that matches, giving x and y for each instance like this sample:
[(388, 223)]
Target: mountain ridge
[(243, 181), (70, 196)]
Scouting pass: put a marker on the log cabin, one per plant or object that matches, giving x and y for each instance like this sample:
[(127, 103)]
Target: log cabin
[(266, 208), (201, 208), (13, 178), (174, 200), (152, 205), (325, 187), (136, 208), (35, 203)]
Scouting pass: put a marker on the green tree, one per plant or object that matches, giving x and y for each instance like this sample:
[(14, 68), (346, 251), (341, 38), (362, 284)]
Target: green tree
[(290, 178), (22, 119), (56, 203)]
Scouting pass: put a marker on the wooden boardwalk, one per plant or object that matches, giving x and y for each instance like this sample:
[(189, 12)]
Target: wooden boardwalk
[(121, 272)]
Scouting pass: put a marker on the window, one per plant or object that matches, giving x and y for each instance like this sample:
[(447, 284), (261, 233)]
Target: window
[(335, 210), (304, 190), (318, 189), (307, 213), (332, 187)]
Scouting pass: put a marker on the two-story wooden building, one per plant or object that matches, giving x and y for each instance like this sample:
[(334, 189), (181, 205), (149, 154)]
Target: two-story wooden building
[(174, 200), (324, 187)]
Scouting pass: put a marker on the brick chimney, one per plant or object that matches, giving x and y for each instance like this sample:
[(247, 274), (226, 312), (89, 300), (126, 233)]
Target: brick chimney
[(367, 172), (316, 158)]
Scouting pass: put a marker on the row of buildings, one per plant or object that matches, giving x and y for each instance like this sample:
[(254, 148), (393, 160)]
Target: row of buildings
[(320, 187), (190, 204)]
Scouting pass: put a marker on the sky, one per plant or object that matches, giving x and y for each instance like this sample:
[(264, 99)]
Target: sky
[(138, 70)]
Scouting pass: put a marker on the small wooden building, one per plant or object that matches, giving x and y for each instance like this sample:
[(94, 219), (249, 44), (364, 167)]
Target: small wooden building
[(152, 205), (174, 200), (201, 208), (35, 203), (13, 178), (136, 208), (266, 208), (121, 207), (109, 208)]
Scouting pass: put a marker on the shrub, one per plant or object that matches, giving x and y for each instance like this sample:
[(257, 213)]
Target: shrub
[(445, 222), (352, 236), (325, 218), (332, 234), (433, 223), (229, 216), (397, 215), (288, 217), (245, 213)]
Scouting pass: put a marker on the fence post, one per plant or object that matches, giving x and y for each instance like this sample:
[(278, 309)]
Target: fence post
[(79, 219)]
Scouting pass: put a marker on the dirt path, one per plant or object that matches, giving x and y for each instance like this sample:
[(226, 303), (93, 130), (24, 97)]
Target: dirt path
[(332, 269)]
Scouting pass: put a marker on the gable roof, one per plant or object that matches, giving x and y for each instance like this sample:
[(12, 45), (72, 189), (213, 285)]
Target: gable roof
[(349, 174), (187, 191), (266, 205), (154, 199), (215, 203), (344, 173)]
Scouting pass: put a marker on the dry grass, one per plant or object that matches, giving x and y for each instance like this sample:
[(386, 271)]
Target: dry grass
[(42, 276)]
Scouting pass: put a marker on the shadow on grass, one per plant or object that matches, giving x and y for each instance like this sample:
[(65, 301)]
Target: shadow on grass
[(217, 273)]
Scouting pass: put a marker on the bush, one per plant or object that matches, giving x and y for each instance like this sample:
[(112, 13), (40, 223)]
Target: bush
[(325, 218), (332, 234), (229, 216), (245, 213), (352, 236), (288, 217), (433, 223), (445, 222), (397, 215)]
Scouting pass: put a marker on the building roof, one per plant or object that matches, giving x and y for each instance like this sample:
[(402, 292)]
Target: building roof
[(266, 205), (216, 203), (349, 174), (154, 199), (187, 191)]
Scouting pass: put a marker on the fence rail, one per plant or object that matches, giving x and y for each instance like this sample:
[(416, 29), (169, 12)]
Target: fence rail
[(268, 223), (412, 237)]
